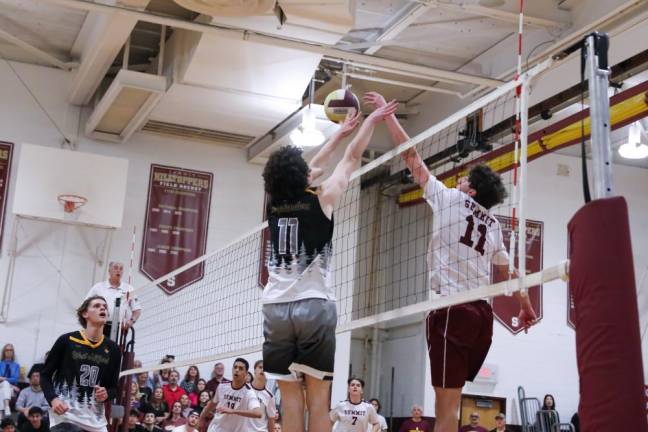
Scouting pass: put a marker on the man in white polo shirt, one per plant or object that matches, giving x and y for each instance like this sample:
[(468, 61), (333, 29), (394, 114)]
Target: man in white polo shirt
[(111, 290)]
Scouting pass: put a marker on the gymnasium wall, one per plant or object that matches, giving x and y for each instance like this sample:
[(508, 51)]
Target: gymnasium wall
[(55, 270)]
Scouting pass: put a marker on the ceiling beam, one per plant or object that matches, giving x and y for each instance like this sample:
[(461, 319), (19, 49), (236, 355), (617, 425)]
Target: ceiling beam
[(36, 52), (102, 37), (402, 83), (261, 38), (401, 22), (498, 14)]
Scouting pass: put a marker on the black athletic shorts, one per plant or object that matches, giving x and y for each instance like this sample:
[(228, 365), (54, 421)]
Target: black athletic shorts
[(299, 339)]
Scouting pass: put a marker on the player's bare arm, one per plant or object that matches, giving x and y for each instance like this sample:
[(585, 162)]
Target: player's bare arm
[(253, 413), (321, 160), (411, 157)]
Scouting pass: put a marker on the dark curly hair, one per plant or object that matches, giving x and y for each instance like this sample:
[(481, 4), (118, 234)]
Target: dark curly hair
[(488, 185), (285, 175)]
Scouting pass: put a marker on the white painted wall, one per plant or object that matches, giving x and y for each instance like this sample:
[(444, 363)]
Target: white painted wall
[(52, 281)]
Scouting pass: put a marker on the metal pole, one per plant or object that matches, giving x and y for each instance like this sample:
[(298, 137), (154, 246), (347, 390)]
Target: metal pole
[(596, 46), (524, 135)]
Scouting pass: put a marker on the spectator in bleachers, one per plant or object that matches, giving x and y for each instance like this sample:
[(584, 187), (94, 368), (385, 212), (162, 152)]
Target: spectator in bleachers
[(217, 377), (29, 397), (175, 419), (203, 400), (149, 424), (548, 403), (277, 427), (136, 396), (186, 405), (36, 422), (143, 384), (161, 377), (191, 425), (575, 421), (7, 425), (474, 425), (416, 423), (190, 379), (9, 374), (548, 416), (201, 385), (172, 391), (500, 423), (158, 406), (381, 420), (133, 421)]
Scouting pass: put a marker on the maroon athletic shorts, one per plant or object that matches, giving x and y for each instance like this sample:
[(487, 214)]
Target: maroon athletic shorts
[(458, 340)]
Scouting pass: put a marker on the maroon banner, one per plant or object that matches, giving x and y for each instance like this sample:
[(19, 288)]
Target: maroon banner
[(175, 230), (506, 308), (6, 154)]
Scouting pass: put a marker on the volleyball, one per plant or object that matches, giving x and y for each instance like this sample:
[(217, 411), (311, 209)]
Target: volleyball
[(339, 103)]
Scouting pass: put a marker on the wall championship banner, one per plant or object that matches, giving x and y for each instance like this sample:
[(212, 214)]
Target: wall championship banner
[(6, 153), (175, 230), (505, 308)]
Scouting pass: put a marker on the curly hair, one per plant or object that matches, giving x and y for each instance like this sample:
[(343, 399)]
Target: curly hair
[(285, 175), (488, 185)]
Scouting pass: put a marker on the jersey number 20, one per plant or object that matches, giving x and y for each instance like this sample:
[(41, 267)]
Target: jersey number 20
[(288, 242), (467, 237)]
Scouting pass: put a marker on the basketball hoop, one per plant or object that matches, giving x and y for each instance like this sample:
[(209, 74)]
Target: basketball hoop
[(71, 202)]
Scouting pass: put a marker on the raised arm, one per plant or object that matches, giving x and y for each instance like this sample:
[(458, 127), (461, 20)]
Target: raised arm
[(411, 157), (332, 188), (320, 161)]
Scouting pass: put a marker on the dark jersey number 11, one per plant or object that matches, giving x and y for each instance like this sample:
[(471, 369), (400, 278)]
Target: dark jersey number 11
[(467, 237)]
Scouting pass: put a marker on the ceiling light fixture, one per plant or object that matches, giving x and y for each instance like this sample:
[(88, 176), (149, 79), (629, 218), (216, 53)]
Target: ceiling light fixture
[(309, 135), (491, 3), (634, 149)]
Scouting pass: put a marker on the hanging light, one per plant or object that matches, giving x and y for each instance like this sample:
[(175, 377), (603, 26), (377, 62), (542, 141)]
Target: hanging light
[(634, 149), (307, 134)]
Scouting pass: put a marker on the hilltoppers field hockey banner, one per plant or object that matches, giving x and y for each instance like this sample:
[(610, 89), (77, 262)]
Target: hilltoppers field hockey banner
[(6, 153), (175, 230), (506, 309)]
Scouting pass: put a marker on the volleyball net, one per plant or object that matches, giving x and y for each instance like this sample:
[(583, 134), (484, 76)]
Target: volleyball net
[(385, 233)]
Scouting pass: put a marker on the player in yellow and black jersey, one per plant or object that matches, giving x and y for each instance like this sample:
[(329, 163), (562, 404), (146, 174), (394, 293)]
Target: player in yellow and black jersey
[(81, 372)]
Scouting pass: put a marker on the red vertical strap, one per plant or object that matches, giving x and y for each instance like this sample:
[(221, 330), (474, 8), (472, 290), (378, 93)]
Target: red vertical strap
[(608, 341)]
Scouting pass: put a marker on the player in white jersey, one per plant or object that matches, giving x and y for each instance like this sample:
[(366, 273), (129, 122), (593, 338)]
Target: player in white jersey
[(354, 414), (234, 402), (266, 399), (466, 241)]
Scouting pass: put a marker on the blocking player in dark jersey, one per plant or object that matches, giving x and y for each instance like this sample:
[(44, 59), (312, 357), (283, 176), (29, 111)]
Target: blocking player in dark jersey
[(466, 241), (299, 307), (81, 372), (355, 414)]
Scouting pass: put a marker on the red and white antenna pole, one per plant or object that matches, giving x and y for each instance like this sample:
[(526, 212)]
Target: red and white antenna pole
[(132, 257), (516, 161)]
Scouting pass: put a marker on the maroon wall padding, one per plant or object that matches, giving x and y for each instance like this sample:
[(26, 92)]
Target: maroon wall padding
[(608, 343)]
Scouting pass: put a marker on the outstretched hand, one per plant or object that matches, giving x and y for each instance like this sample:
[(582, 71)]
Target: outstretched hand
[(349, 124), (380, 113), (375, 99), (527, 316)]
